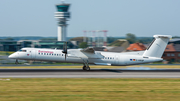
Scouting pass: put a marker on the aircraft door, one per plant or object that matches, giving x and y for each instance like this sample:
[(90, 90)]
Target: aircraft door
[(33, 54), (116, 59)]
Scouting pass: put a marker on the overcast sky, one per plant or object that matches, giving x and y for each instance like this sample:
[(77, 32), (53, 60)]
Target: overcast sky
[(140, 17)]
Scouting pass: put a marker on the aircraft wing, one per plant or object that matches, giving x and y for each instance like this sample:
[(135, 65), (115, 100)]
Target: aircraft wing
[(90, 53), (88, 50), (85, 53)]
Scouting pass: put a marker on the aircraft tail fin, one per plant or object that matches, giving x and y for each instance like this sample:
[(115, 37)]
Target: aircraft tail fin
[(157, 46)]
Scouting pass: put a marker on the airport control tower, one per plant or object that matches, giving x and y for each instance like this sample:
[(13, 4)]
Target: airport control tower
[(62, 16)]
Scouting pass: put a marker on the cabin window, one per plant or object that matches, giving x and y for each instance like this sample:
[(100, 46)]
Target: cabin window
[(44, 53), (54, 54), (57, 54), (22, 50), (62, 54), (39, 53)]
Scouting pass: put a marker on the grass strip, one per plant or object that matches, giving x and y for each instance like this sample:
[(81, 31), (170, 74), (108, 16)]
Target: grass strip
[(91, 89)]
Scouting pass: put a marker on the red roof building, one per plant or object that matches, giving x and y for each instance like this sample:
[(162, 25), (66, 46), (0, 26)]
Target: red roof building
[(136, 47), (172, 53)]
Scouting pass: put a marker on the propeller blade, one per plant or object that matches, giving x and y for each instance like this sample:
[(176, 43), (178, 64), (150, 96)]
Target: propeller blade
[(65, 49)]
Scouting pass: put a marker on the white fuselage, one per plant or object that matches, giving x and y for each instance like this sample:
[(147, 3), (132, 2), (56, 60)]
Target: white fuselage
[(77, 56)]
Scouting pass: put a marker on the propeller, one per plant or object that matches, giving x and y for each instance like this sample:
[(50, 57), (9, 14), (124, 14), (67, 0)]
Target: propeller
[(65, 49)]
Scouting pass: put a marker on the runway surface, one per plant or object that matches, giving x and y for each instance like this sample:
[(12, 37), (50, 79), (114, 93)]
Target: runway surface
[(94, 73)]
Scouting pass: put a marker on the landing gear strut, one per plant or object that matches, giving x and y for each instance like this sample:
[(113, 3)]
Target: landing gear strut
[(86, 66), (16, 61)]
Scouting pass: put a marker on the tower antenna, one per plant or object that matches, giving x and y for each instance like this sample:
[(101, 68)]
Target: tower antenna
[(62, 1)]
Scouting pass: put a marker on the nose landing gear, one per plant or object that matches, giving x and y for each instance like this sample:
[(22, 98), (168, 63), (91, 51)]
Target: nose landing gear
[(16, 61)]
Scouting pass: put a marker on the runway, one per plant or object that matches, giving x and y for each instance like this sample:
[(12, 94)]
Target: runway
[(94, 73)]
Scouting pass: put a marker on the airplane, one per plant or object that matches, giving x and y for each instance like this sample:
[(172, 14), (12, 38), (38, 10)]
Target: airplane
[(89, 56)]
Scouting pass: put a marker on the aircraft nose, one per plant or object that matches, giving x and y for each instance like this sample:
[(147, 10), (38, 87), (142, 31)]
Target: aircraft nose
[(12, 56)]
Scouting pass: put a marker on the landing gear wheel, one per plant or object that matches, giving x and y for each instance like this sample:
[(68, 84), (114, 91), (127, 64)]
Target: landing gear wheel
[(87, 68), (84, 68)]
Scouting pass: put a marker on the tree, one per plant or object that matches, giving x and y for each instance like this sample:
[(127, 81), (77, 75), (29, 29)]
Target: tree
[(83, 45), (131, 38), (9, 38)]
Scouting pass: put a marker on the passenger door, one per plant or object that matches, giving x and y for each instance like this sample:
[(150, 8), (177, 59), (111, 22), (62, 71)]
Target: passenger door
[(33, 54), (116, 59)]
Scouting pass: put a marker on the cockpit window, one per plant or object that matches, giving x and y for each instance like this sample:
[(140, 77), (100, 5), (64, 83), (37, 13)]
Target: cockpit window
[(22, 50)]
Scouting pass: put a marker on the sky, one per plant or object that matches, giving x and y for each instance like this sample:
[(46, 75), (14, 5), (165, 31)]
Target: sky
[(144, 18)]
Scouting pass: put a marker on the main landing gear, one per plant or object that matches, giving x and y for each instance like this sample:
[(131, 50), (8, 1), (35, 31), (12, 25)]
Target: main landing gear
[(86, 66)]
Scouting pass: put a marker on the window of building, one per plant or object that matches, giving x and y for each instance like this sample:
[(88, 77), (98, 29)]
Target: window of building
[(179, 55), (168, 55), (172, 55)]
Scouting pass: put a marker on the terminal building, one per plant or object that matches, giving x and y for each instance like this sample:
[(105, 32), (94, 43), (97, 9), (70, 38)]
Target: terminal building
[(10, 45)]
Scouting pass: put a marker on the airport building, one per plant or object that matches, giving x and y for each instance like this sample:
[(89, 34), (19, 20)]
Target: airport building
[(16, 45), (62, 15)]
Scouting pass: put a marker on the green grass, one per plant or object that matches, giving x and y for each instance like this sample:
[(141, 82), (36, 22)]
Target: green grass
[(90, 89), (80, 66), (5, 53)]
